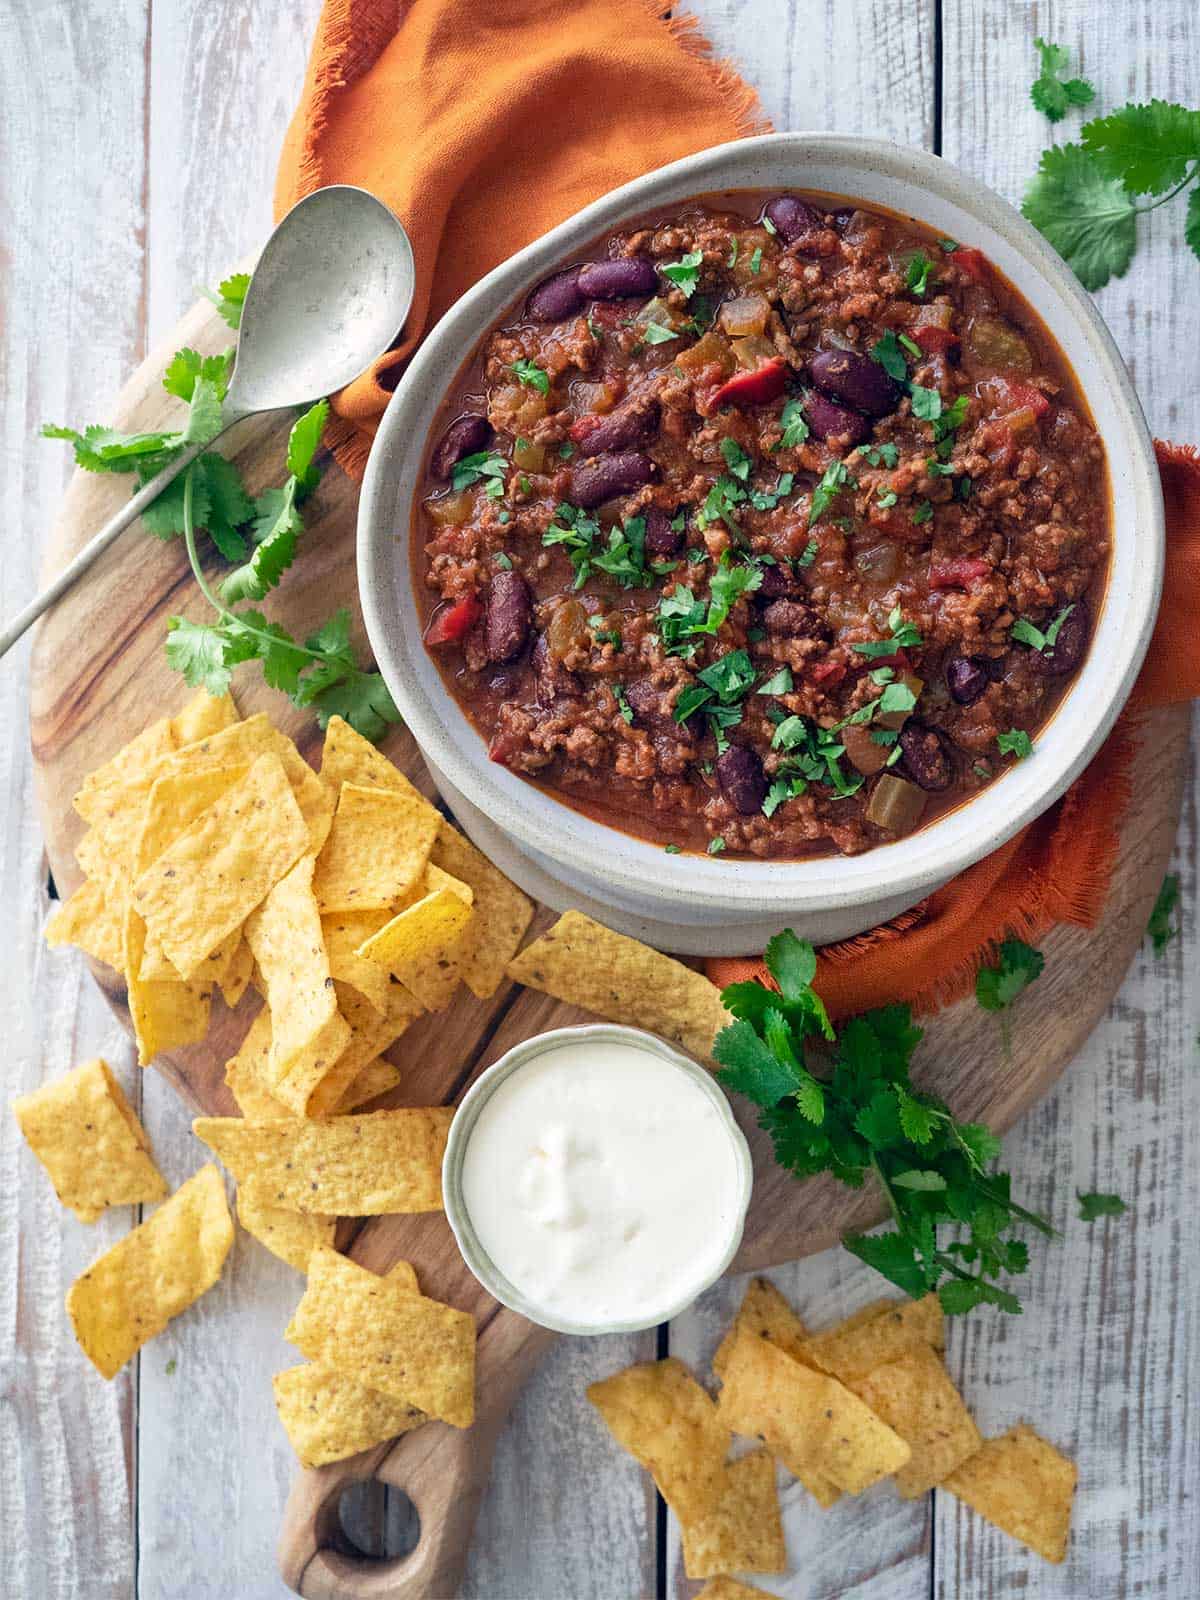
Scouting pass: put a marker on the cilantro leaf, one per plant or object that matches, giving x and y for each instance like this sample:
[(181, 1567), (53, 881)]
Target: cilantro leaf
[(303, 442), (1191, 226), (1016, 742), (1160, 927), (685, 273), (1086, 214), (792, 962), (230, 297), (197, 650), (1092, 1206), (533, 376), (892, 1255), (794, 424), (1050, 93), (890, 356), (1018, 965), (1146, 148)]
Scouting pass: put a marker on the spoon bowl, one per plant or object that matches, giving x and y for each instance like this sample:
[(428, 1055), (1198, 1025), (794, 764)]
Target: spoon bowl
[(329, 295)]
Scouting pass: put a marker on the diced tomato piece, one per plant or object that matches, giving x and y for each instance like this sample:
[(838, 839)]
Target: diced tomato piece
[(753, 388), (973, 262), (580, 430), (455, 622), (898, 659), (959, 573), (935, 341), (830, 673), (1018, 396)]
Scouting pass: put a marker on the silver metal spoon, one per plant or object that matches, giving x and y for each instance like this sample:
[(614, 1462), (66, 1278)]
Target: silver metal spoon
[(329, 295)]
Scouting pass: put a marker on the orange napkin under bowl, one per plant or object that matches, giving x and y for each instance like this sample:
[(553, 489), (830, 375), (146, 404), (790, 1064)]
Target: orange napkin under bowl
[(484, 126)]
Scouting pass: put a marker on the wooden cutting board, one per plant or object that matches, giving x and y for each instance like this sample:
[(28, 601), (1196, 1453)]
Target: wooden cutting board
[(100, 676)]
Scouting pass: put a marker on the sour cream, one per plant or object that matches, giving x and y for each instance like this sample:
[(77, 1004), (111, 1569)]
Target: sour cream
[(603, 1180)]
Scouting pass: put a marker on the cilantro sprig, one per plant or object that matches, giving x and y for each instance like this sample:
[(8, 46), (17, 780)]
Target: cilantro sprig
[(1084, 196), (1050, 92), (261, 535), (843, 1102), (322, 673)]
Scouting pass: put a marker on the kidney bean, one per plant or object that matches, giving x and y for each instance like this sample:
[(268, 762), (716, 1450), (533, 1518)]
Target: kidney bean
[(927, 760), (663, 542), (508, 616), (629, 423), (595, 481), (966, 679), (556, 298), (828, 420), (463, 437), (1067, 650), (856, 380), (626, 278), (792, 218), (778, 582), (788, 618), (652, 711), (742, 779)]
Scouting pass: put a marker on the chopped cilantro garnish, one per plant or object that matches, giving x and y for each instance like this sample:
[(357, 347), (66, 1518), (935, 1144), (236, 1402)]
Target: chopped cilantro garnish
[(926, 403), (733, 253), (834, 479), (768, 499), (566, 450), (879, 455), (715, 845), (736, 459), (905, 636), (911, 345), (672, 849), (1016, 742), (890, 356), (655, 333), (808, 555), (472, 469), (622, 558), (949, 245), (782, 789), (916, 277), (769, 225), (886, 498), (794, 425), (1025, 632), (756, 260), (685, 273), (778, 683), (503, 559), (922, 512), (618, 694), (531, 375)]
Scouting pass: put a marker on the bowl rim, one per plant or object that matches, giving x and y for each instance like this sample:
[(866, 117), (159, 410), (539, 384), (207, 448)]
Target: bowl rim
[(463, 1124), (539, 821)]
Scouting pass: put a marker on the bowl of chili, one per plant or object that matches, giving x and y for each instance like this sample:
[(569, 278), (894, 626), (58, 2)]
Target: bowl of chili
[(766, 544)]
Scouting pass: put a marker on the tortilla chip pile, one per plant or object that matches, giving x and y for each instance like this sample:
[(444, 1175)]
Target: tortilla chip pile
[(215, 858), (841, 1410)]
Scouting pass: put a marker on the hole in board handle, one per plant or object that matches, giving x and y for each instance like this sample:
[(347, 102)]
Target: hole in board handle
[(376, 1522)]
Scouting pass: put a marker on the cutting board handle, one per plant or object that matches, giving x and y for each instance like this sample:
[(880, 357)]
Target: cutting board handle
[(443, 1471)]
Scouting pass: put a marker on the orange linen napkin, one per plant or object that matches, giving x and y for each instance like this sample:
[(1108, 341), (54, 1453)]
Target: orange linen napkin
[(484, 125)]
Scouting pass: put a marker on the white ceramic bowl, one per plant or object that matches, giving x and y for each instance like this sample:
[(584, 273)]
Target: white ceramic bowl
[(703, 905), (465, 1118)]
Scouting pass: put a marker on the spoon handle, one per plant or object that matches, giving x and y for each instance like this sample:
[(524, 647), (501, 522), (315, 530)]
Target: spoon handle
[(97, 545)]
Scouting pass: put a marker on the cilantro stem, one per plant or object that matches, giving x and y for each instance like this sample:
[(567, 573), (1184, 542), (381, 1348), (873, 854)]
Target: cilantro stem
[(1141, 211), (223, 611)]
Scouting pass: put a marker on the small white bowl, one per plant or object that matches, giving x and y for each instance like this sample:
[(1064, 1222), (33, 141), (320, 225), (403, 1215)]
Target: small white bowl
[(477, 1096), (697, 904)]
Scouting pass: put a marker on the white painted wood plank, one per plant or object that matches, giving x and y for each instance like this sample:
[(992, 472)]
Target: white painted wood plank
[(866, 68), (71, 108), (214, 1465), (1108, 1352)]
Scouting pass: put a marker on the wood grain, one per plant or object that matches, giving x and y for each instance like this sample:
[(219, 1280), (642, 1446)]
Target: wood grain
[(141, 195)]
